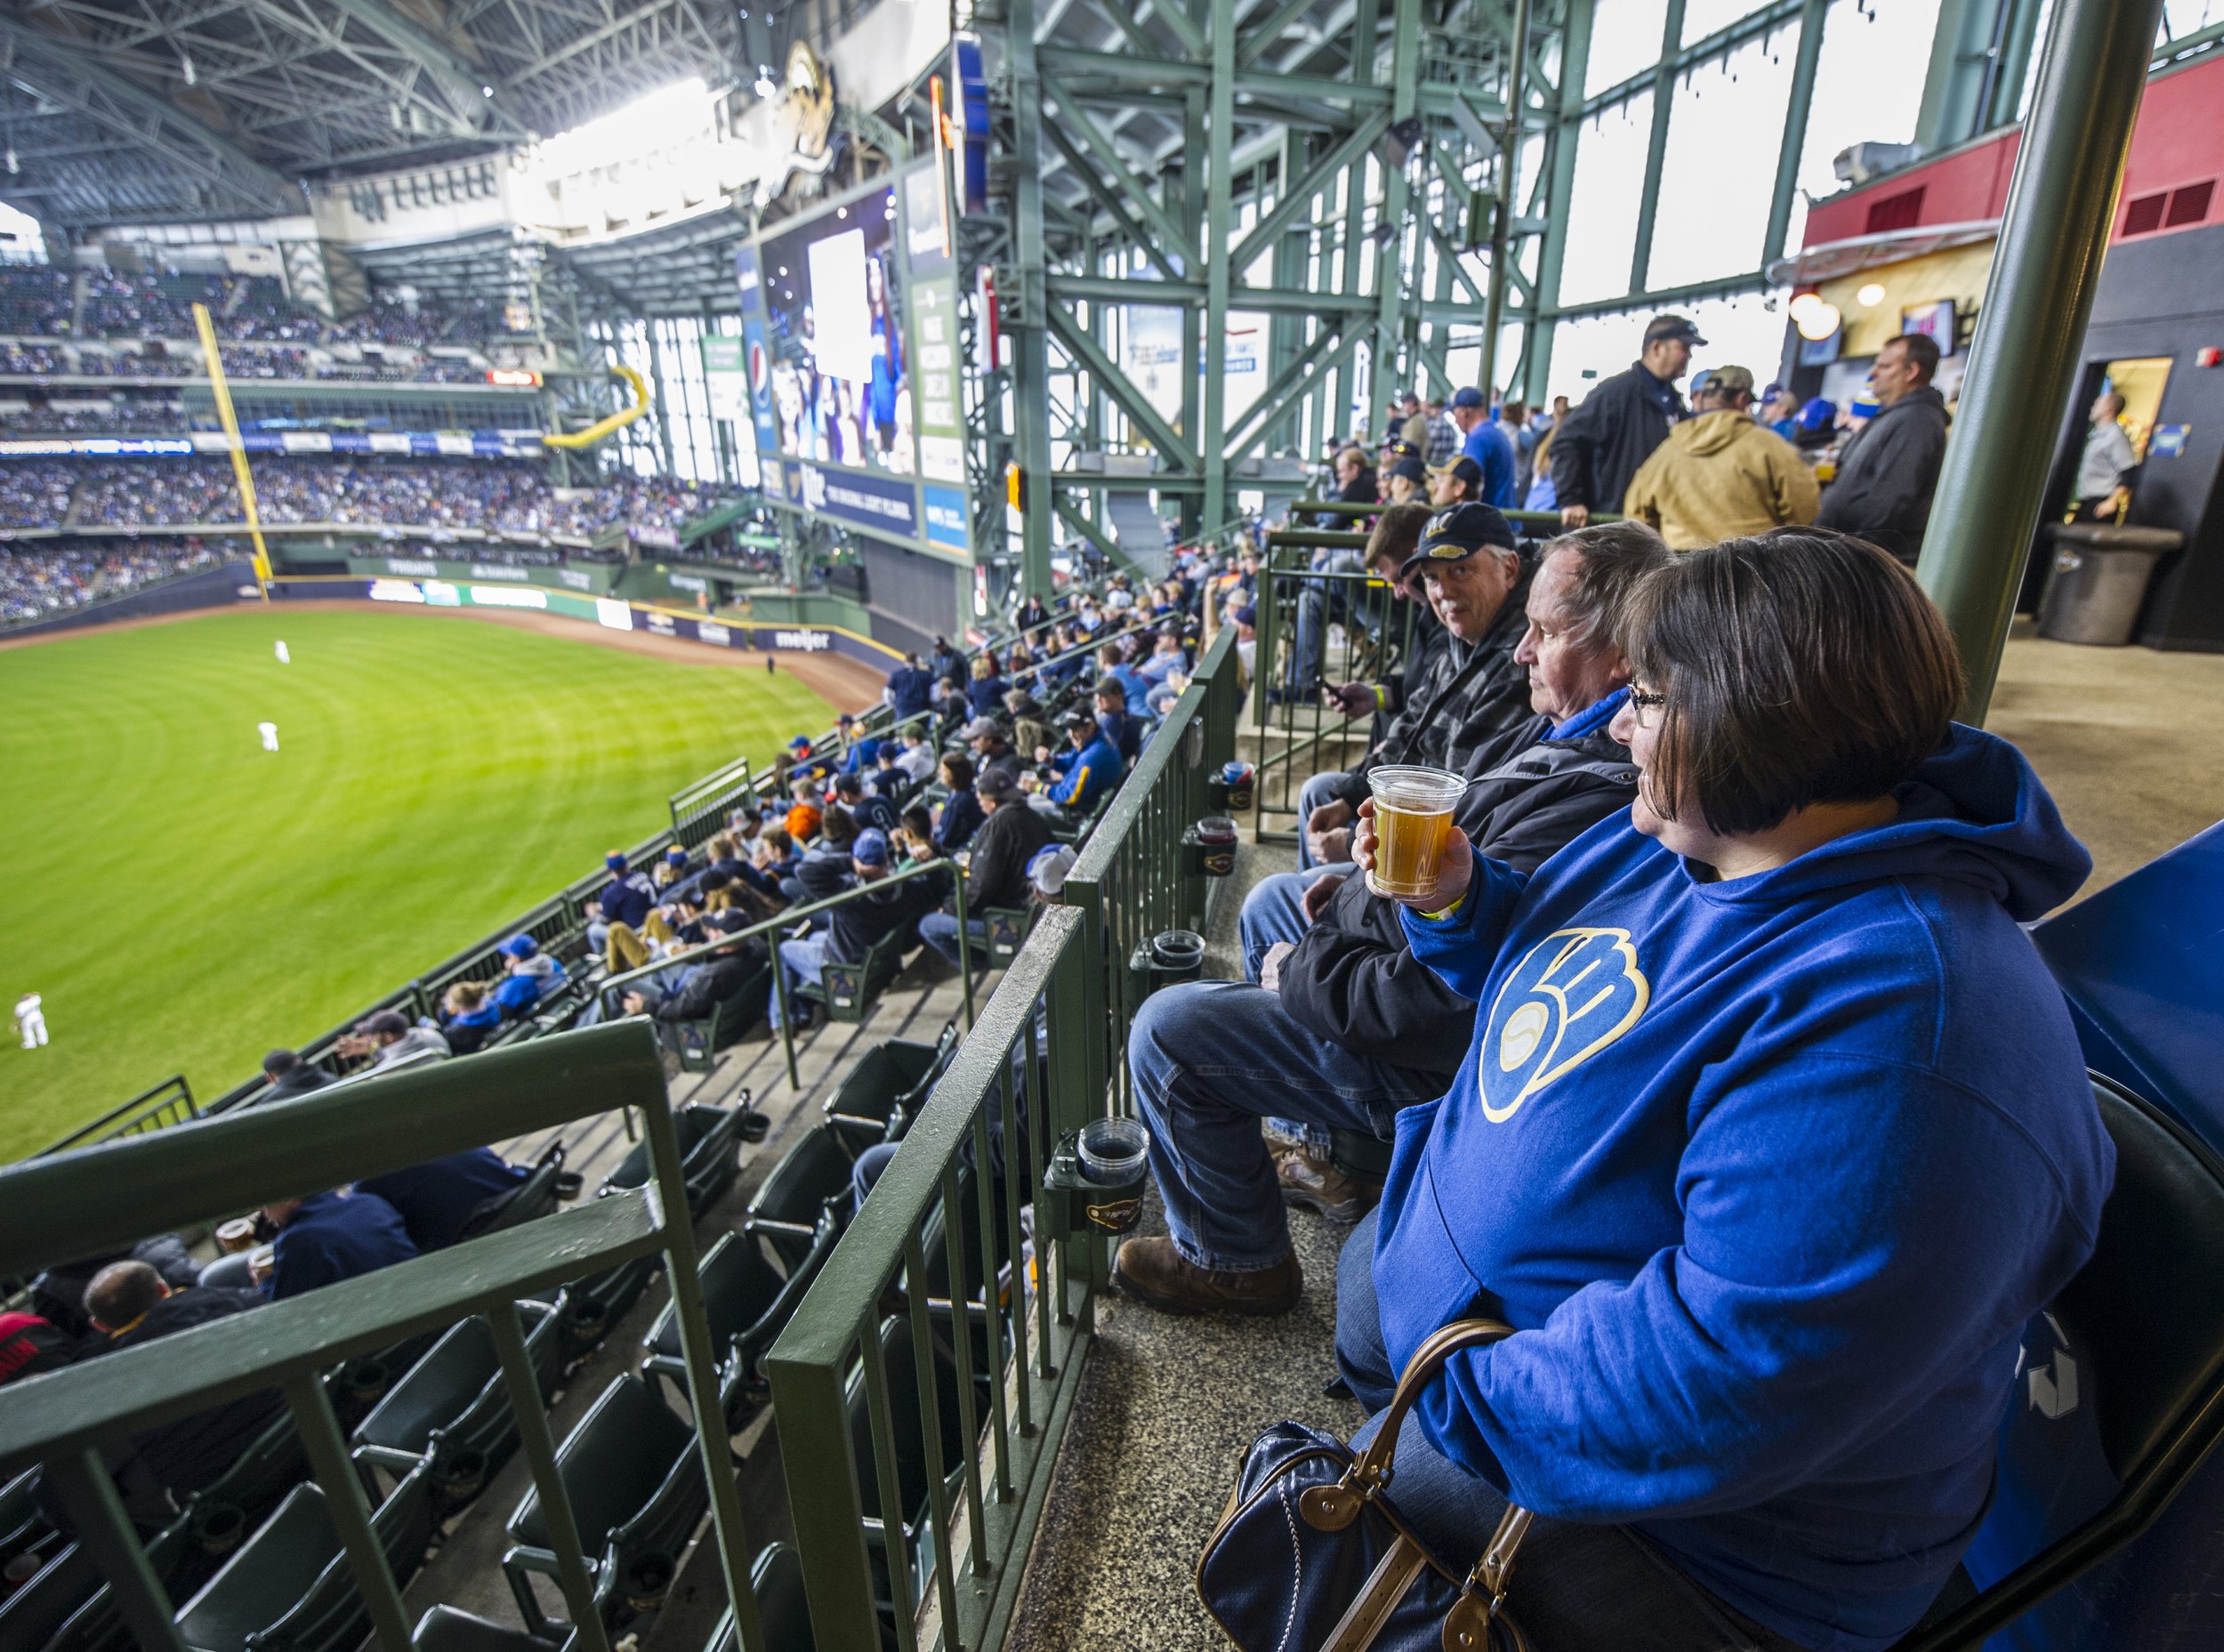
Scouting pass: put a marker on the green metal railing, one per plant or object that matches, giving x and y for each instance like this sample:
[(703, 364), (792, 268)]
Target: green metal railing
[(105, 1197), (993, 1363), (169, 1102)]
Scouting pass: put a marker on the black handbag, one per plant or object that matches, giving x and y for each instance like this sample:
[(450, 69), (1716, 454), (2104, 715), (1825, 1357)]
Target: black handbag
[(1310, 1555)]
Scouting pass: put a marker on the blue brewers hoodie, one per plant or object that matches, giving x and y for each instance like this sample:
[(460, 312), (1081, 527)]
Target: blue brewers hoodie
[(1768, 1174)]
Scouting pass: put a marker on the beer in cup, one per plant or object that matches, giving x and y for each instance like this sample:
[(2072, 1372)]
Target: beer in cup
[(1412, 816), (236, 1235)]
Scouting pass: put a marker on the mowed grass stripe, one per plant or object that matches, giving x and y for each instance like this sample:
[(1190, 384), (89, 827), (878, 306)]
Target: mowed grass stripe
[(183, 899)]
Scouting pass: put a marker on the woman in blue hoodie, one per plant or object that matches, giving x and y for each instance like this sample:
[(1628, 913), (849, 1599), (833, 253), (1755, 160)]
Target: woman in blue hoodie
[(1773, 1135)]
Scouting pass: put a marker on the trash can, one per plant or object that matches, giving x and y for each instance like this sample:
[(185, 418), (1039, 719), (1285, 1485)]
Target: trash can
[(2098, 579)]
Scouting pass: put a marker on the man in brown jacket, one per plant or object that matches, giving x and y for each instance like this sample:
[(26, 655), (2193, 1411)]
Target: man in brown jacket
[(1720, 475)]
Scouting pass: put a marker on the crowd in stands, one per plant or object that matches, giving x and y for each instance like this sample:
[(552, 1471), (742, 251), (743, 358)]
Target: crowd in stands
[(42, 578), (477, 494), (129, 417), (34, 302)]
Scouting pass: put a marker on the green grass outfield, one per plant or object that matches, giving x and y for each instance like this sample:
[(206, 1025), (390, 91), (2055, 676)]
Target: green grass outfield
[(185, 900)]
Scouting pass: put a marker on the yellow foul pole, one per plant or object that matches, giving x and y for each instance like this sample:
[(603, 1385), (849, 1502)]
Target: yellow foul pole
[(222, 391)]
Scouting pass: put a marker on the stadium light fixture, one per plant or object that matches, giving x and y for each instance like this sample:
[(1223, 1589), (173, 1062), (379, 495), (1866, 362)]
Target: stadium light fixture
[(1871, 295), (1818, 321)]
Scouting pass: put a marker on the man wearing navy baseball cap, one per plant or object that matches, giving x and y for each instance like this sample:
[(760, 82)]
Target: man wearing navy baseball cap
[(1405, 481), (857, 926), (1482, 441), (1598, 445), (1460, 482)]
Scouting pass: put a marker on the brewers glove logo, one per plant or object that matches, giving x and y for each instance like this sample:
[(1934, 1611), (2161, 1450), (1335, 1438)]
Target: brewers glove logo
[(1575, 993)]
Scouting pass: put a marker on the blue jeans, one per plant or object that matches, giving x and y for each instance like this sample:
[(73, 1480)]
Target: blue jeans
[(1575, 1584), (1209, 1060), (1271, 913), (1310, 796), (938, 929), (802, 959), (1319, 601)]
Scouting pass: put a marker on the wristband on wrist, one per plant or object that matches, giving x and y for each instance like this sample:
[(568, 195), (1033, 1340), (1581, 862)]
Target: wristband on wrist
[(1439, 916)]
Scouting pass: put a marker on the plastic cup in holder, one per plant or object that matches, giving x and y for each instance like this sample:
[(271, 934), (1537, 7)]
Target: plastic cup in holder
[(1113, 1150), (1177, 951), (648, 1580), (217, 1528)]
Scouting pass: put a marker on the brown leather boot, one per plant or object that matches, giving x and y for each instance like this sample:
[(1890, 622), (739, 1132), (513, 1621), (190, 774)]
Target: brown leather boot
[(1309, 1177), (1153, 1273)]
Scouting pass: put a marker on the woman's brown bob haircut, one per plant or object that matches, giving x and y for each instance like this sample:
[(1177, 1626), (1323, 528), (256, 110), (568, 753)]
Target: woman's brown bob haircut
[(1801, 667)]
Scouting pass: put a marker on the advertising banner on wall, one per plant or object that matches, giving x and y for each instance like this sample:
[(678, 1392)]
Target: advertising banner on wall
[(883, 505), (726, 374), (756, 351), (935, 364)]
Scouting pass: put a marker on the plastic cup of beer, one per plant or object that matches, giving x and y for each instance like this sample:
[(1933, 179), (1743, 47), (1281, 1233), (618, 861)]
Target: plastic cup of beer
[(1412, 816), (236, 1235)]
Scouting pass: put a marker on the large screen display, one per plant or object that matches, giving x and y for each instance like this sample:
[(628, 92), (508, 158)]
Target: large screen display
[(841, 386)]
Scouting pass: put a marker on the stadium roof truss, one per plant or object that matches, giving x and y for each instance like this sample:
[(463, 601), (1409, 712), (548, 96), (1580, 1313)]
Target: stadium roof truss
[(202, 108)]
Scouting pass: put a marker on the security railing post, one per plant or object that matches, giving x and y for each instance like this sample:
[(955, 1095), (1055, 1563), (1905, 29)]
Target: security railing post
[(788, 1010), (964, 950), (827, 1511), (523, 1384), (88, 1497), (699, 1355), (349, 1510)]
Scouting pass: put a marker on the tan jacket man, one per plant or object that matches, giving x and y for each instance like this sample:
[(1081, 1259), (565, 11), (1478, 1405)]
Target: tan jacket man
[(1720, 476)]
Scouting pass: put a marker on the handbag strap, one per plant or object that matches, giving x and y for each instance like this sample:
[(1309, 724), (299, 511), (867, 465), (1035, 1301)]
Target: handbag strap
[(1331, 1508)]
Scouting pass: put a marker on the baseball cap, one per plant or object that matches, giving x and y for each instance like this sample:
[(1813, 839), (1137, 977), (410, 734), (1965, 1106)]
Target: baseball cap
[(1047, 871), (871, 848), (1673, 326), (1730, 381), (728, 921), (1400, 451), (1468, 396), (1412, 470), (1463, 468), (1077, 722), (615, 861), (1246, 615), (384, 1021), (980, 729), (676, 855), (1455, 535), (996, 787), (1773, 390), (1817, 413), (520, 945), (801, 743), (846, 717)]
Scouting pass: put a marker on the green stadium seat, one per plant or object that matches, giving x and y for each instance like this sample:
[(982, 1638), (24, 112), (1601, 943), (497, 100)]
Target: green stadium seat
[(453, 1409), (35, 1612), (808, 1188), (268, 1469), (776, 1577), (451, 1629), (21, 1521), (635, 1480), (288, 1588), (537, 1196), (848, 990), (96, 1626), (748, 1302), (892, 1078), (710, 1153)]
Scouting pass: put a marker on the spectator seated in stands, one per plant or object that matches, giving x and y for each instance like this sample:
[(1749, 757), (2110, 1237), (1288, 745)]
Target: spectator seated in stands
[(854, 927), (869, 810), (916, 760), (327, 1238), (1771, 1196), (985, 691), (1341, 1007), (1477, 583), (1390, 547), (960, 815), (57, 1294), (803, 813), (626, 899), (390, 1037), (691, 992), (671, 870), (1030, 730), (1113, 664), (856, 753), (914, 836), (1009, 836), (993, 751), (131, 1304), (438, 1199), (1167, 656), (825, 870), (774, 857), (910, 689), (468, 1017), (1122, 732), (1084, 772), (288, 1076), (532, 976)]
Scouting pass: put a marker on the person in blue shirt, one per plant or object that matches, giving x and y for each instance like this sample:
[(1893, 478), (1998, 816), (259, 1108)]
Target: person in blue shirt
[(869, 810), (1112, 663), (330, 1237), (1773, 1134), (1088, 769), (437, 1199), (1122, 732), (626, 899), (960, 814), (985, 691), (910, 689), (533, 975), (1482, 441)]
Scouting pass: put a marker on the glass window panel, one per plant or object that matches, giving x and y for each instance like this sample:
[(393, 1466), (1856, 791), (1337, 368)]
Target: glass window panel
[(1625, 41), (1742, 330), (1602, 205), (1702, 18), (1868, 84), (1720, 166)]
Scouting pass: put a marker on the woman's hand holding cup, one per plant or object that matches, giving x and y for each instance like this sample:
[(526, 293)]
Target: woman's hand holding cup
[(1455, 864)]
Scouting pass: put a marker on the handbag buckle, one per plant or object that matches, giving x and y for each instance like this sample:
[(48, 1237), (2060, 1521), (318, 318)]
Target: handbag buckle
[(1333, 1508)]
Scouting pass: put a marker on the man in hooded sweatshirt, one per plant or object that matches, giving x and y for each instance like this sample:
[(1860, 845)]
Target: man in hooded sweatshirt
[(1720, 475)]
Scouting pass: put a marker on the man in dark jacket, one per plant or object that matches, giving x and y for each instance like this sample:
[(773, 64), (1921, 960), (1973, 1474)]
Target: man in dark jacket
[(330, 1237), (1889, 471), (855, 926), (993, 751), (1344, 1027), (437, 1198), (910, 688), (1598, 445), (700, 988), (1476, 580), (289, 1076), (995, 870), (130, 1305)]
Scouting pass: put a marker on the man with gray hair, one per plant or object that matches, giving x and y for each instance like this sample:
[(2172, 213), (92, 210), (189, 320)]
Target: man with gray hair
[(1344, 1027)]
